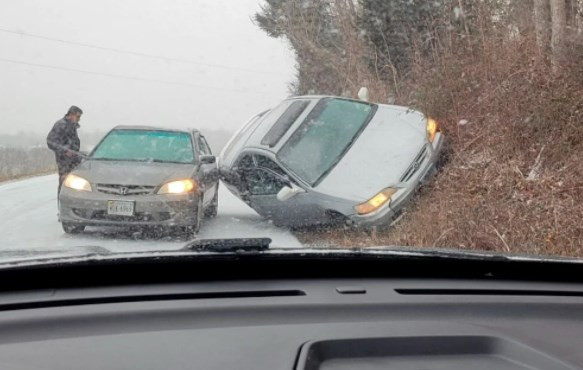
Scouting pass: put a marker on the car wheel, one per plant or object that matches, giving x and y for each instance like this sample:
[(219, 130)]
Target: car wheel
[(191, 231), (213, 209), (73, 229), (188, 232), (337, 219), (445, 157)]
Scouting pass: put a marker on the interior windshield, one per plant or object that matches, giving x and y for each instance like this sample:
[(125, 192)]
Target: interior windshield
[(145, 125), (324, 137), (134, 145)]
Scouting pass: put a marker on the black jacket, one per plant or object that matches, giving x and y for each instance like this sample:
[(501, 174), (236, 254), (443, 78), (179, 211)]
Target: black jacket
[(64, 137)]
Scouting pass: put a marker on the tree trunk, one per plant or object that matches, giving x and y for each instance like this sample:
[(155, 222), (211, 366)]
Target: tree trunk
[(542, 22), (559, 21)]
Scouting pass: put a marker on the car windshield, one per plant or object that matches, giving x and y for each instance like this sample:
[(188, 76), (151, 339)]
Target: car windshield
[(142, 145), (145, 125), (324, 137)]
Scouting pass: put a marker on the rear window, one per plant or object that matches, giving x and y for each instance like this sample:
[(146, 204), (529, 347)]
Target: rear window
[(142, 145), (283, 123)]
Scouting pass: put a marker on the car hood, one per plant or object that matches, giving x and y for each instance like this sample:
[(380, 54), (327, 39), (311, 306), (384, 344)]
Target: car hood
[(133, 173), (379, 156)]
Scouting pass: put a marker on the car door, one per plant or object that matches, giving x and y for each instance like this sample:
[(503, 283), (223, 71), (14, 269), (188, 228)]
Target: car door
[(208, 171), (262, 179)]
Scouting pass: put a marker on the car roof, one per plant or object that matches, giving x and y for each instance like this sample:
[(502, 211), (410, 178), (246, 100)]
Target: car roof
[(252, 138), (255, 138), (317, 97), (152, 128)]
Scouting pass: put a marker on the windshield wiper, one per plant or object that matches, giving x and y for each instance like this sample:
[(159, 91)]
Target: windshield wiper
[(229, 245), (164, 161)]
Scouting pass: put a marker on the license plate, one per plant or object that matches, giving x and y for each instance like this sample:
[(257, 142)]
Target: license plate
[(120, 208)]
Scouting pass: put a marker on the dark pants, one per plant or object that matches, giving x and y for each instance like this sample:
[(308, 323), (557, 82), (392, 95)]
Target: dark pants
[(63, 172), (65, 165)]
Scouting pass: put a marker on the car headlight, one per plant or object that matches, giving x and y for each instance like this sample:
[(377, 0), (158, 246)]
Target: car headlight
[(178, 187), (376, 202), (432, 129), (77, 183)]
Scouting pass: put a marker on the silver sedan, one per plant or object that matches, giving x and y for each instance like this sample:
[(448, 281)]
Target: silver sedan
[(142, 176), (320, 159)]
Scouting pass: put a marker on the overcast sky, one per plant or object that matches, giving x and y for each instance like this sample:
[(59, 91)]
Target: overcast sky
[(234, 69)]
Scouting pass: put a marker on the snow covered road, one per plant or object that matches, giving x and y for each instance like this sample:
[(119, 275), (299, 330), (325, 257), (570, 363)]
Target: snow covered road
[(28, 221)]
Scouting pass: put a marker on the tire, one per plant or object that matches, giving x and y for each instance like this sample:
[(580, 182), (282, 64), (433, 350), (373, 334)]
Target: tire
[(73, 229), (336, 219), (213, 209), (191, 231), (445, 157)]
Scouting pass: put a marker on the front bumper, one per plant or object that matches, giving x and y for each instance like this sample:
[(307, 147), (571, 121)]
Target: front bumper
[(90, 209), (387, 213)]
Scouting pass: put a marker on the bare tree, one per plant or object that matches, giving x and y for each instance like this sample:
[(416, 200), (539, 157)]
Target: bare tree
[(550, 18), (542, 21), (559, 26)]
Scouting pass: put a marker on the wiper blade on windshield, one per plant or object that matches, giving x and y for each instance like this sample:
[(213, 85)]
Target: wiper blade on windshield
[(229, 245), (164, 161)]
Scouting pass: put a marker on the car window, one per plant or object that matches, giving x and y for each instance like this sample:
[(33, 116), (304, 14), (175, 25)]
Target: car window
[(261, 175), (447, 123), (142, 145), (261, 182), (206, 145), (247, 162), (284, 122), (264, 162), (204, 148), (324, 136)]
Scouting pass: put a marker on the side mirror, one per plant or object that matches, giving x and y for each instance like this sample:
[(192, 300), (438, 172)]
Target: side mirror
[(208, 159), (286, 193)]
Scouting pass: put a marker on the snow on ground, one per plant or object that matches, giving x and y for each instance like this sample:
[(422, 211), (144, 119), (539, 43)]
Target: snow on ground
[(28, 222)]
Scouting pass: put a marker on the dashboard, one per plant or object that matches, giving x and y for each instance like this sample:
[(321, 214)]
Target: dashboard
[(294, 323)]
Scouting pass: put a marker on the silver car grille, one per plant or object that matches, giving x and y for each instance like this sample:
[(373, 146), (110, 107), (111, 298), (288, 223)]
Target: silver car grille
[(416, 165), (125, 189)]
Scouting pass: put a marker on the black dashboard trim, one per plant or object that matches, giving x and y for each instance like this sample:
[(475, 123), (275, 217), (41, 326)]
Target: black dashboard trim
[(492, 292), (150, 298)]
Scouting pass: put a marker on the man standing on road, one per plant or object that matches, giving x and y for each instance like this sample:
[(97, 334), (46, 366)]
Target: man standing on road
[(64, 141)]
